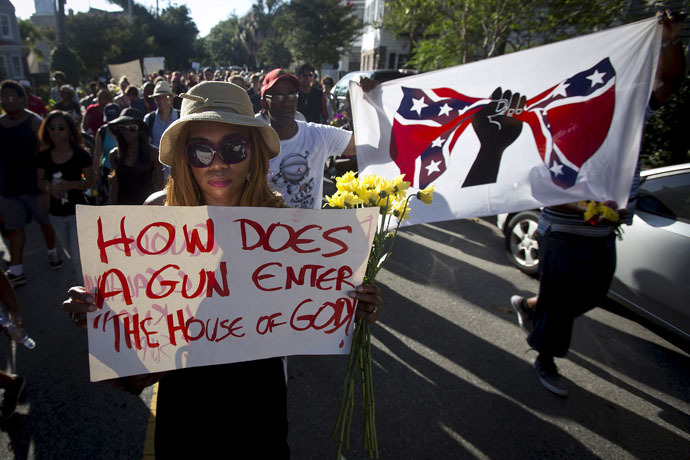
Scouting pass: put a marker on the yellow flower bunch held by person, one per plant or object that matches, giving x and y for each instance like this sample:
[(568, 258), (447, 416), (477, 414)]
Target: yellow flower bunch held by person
[(392, 198), (603, 213), (596, 209)]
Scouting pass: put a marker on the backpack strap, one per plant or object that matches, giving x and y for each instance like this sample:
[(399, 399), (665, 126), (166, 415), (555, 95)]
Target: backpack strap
[(150, 120)]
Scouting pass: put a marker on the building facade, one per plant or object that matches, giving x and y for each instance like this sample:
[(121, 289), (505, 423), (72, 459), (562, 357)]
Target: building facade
[(11, 49), (43, 18), (380, 50)]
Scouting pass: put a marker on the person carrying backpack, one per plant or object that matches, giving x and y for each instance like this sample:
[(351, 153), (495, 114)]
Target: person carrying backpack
[(159, 120)]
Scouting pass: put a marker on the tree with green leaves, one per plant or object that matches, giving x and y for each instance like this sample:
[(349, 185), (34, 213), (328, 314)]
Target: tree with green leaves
[(274, 53), (222, 44), (444, 33), (32, 35), (318, 31), (64, 59), (99, 40), (175, 35), (256, 27)]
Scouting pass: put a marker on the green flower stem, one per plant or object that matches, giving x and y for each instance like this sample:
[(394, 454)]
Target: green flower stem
[(348, 396), (397, 227), (359, 361)]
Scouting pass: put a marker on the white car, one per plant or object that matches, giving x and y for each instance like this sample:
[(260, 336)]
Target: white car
[(652, 274)]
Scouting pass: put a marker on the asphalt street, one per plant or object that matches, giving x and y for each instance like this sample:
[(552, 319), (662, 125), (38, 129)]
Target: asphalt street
[(453, 373)]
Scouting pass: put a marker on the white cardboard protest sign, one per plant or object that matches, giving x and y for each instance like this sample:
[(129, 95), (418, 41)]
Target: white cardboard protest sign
[(131, 70), (153, 64), (192, 286)]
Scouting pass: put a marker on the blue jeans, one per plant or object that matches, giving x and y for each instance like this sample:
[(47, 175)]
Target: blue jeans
[(576, 272), (66, 231)]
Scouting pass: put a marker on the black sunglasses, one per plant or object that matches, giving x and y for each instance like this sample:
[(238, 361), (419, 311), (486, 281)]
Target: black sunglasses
[(130, 128), (232, 150)]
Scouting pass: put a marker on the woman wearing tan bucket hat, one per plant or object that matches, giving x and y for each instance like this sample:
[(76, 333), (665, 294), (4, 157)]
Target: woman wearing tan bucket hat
[(218, 154)]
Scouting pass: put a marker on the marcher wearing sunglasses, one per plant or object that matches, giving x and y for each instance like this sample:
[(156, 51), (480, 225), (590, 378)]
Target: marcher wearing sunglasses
[(128, 128), (217, 118), (279, 98), (232, 150), (135, 169)]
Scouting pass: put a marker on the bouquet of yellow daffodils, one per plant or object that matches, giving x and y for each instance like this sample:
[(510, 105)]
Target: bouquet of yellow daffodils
[(392, 197)]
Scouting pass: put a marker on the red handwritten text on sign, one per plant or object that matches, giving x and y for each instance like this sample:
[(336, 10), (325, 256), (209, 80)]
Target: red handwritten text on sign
[(218, 284)]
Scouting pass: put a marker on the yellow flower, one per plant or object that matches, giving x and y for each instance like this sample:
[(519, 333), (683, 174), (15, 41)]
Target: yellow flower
[(385, 185), (400, 187), (592, 209), (361, 190), (384, 201), (350, 186), (351, 200), (608, 213), (427, 195), (401, 210), (368, 181), (347, 177), (600, 209), (337, 200), (347, 181)]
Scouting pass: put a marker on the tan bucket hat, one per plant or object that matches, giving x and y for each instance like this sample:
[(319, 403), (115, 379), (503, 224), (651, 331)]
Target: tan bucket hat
[(215, 101), (162, 88)]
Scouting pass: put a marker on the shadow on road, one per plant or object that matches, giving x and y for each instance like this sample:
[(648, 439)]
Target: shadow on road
[(444, 392)]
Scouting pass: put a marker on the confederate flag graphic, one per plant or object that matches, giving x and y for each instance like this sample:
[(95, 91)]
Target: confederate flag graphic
[(569, 122)]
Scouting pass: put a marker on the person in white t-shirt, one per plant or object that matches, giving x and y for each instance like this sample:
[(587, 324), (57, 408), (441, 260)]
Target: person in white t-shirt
[(297, 172)]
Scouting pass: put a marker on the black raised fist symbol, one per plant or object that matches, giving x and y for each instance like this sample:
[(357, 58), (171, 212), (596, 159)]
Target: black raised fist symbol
[(497, 128)]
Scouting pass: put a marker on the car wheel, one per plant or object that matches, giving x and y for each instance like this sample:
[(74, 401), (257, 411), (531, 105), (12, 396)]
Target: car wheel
[(522, 247)]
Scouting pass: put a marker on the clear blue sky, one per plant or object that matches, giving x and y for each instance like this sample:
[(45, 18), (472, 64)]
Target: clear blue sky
[(205, 13)]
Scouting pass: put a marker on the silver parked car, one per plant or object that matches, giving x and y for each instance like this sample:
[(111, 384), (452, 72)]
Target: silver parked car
[(653, 271)]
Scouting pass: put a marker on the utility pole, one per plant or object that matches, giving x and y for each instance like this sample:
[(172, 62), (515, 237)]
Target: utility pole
[(61, 27)]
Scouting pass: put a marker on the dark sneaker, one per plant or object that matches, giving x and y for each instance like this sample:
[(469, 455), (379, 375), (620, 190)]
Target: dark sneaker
[(548, 376), (12, 394), (54, 261), (524, 315), (16, 280)]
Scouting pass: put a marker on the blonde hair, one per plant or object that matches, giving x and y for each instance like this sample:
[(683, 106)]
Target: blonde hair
[(182, 189)]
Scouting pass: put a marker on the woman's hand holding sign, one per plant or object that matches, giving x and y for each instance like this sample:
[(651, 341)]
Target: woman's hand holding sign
[(78, 304)]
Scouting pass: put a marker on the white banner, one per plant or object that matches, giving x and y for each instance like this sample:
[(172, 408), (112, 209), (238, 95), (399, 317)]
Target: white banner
[(131, 69), (545, 126), (181, 286)]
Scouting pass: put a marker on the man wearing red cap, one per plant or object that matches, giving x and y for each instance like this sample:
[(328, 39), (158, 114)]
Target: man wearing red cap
[(297, 172)]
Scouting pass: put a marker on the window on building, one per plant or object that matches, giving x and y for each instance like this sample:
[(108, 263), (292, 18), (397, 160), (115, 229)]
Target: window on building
[(391, 61), (17, 67), (3, 68), (402, 61), (5, 25)]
